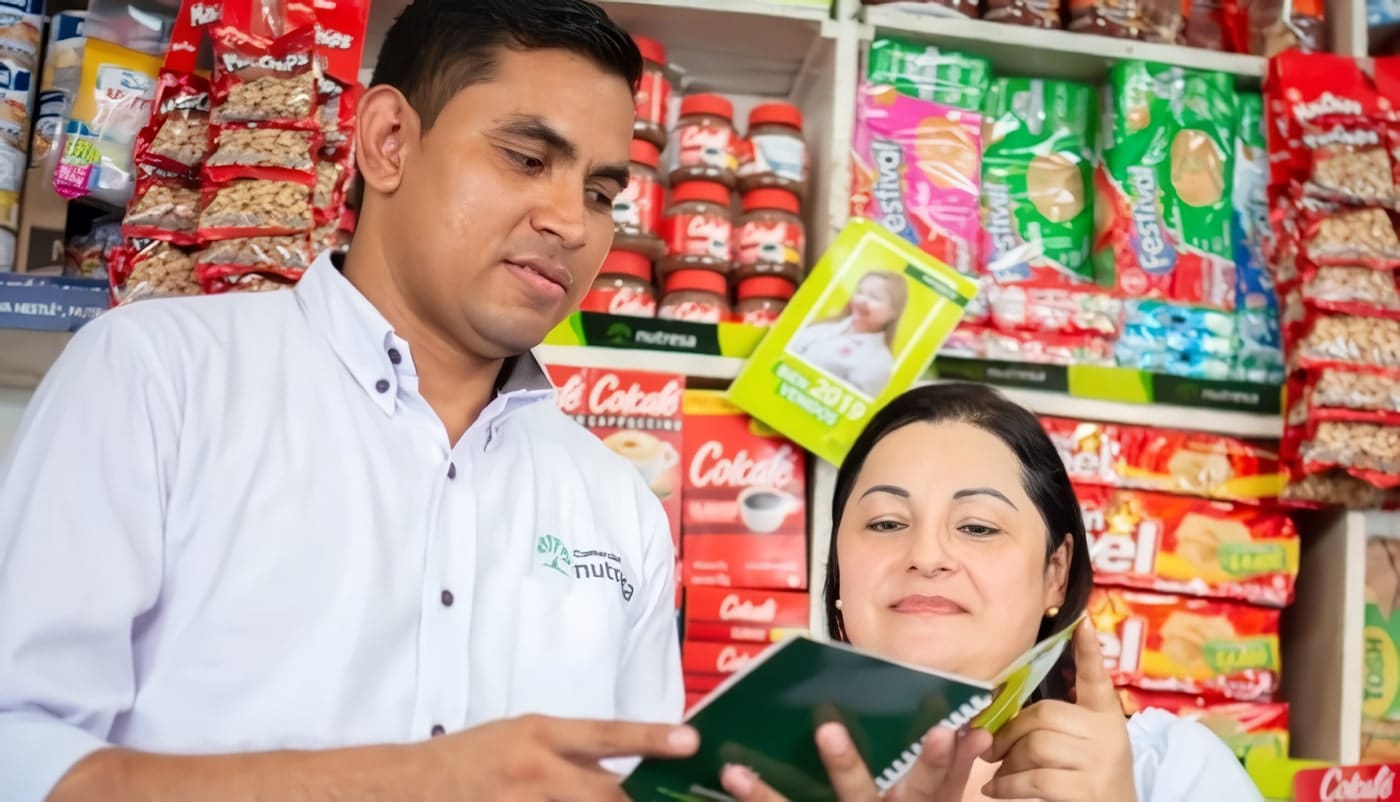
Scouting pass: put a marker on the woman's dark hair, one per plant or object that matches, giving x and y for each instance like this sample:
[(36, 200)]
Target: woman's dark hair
[(1042, 475)]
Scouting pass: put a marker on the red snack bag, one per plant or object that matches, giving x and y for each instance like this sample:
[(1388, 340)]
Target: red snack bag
[(255, 208), (1364, 236), (1349, 161), (1190, 546), (1243, 726), (1043, 348), (966, 342), (1358, 389), (1370, 783), (1351, 289), (1368, 451), (215, 279), (265, 81), (245, 150), (1055, 306), (163, 208), (1345, 340), (278, 253), (729, 614), (1160, 642), (340, 44), (333, 177), (153, 269), (699, 658), (176, 140)]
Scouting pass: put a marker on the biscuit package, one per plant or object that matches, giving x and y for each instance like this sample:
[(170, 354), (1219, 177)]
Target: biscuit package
[(1037, 191), (1163, 204), (1149, 458), (739, 615), (1380, 708), (926, 72), (637, 415), (1190, 546), (1161, 642), (1245, 727)]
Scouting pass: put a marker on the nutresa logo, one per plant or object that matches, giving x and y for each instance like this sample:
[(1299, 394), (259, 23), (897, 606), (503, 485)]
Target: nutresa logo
[(582, 564)]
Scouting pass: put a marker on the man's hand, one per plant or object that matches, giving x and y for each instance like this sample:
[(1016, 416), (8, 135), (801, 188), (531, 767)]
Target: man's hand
[(939, 774), (540, 758), (1061, 752)]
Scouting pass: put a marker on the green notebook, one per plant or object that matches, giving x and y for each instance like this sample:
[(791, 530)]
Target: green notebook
[(765, 717)]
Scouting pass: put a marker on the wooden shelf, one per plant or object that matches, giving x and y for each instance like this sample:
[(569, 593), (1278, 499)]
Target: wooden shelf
[(1195, 419), (1019, 50), (25, 356)]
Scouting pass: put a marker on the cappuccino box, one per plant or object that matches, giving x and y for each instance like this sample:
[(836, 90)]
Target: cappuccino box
[(1374, 783), (708, 665), (637, 415), (751, 616), (744, 518)]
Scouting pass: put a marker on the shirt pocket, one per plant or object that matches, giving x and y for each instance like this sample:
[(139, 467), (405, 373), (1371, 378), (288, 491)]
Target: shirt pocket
[(572, 636)]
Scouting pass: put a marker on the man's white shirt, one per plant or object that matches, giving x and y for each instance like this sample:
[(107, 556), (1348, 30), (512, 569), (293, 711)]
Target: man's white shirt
[(233, 523)]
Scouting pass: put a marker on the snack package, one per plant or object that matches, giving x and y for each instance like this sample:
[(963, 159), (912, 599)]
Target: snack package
[(1348, 161), (743, 521), (154, 269), (245, 282), (1260, 355), (260, 80), (112, 105), (1380, 706), (288, 252), (1055, 306), (1345, 340), (21, 26), (1037, 190), (1335, 488), (1149, 20), (928, 73), (164, 209), (1368, 451), (1246, 727), (1029, 13), (1365, 390), (1161, 642), (708, 665), (1190, 546), (1149, 458), (177, 138), (959, 8), (1333, 236), (61, 78), (255, 208), (638, 416), (1277, 26), (1351, 290), (736, 615), (1044, 348), (915, 170), (1254, 283), (251, 151), (1163, 204), (340, 44)]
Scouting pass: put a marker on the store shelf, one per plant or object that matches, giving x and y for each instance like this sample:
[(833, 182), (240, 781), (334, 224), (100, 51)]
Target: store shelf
[(1019, 50), (26, 354), (1238, 424), (694, 366)]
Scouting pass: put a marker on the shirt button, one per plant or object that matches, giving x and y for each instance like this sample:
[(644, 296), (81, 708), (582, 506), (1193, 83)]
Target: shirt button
[(382, 385), (394, 356), (438, 729), (451, 470), (447, 598)]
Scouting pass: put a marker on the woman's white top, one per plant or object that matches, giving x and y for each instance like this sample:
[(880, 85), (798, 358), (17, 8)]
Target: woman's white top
[(860, 359), (1174, 760)]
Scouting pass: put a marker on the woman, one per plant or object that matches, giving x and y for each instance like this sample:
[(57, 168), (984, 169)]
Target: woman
[(957, 543), (857, 345)]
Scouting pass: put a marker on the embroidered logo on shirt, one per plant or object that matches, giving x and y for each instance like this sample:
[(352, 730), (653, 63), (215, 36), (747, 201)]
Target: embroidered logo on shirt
[(555, 554)]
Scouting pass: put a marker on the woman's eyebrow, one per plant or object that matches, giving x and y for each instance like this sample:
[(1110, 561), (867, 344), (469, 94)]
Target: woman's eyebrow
[(984, 491), (893, 490)]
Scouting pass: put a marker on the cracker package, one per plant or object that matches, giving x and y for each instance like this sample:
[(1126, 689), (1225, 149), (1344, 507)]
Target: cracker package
[(1190, 546), (1149, 458), (1163, 205), (1037, 204), (1161, 642), (1246, 727), (1254, 287), (1380, 707)]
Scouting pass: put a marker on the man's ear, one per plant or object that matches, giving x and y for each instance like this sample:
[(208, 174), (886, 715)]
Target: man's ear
[(1057, 573), (386, 126)]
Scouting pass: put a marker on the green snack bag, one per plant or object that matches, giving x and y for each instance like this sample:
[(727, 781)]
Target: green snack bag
[(860, 330), (928, 73), (1037, 191), (1163, 206)]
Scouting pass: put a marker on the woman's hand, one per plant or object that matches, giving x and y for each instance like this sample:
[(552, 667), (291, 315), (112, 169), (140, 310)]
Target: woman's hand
[(938, 775), (1062, 752)]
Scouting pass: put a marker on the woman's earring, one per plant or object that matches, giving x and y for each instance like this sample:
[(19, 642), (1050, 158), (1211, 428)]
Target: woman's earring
[(838, 604), (1052, 612)]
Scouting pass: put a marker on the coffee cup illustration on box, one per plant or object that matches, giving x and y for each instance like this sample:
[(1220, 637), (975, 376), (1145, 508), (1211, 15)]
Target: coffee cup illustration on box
[(763, 509), (656, 459)]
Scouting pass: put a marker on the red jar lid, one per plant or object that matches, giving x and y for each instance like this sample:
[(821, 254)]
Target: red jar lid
[(652, 50), (709, 191), (627, 263), (644, 152), (696, 281), (776, 114), (765, 287), (780, 199), (713, 105)]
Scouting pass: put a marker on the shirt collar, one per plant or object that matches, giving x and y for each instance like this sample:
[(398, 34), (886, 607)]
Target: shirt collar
[(366, 344)]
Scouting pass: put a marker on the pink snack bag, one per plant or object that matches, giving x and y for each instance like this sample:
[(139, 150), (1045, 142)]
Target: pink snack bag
[(916, 170)]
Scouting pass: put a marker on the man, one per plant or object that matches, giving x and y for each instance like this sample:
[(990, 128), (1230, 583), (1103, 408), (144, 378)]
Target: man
[(265, 547)]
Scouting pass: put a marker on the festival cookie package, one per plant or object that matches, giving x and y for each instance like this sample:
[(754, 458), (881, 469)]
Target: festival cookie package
[(1190, 546), (1245, 727), (1161, 642)]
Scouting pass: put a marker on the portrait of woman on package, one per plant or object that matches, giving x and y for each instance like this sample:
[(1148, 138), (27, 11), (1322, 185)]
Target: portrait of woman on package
[(856, 346)]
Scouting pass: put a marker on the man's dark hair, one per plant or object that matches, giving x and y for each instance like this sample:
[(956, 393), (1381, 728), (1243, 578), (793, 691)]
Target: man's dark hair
[(437, 48)]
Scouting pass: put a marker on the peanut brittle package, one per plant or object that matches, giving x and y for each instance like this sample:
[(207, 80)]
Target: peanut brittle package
[(1190, 546), (1161, 642)]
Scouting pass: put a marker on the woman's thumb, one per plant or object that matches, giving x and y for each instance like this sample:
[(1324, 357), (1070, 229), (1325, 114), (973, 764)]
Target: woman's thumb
[(1093, 687)]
